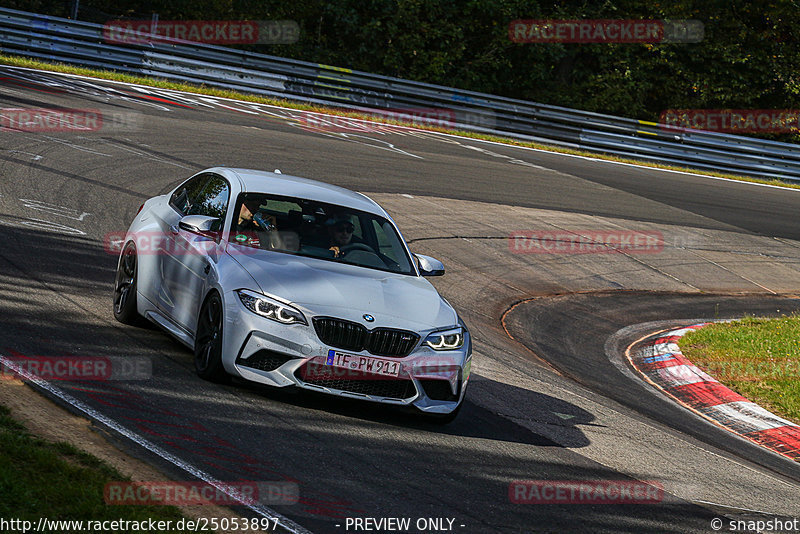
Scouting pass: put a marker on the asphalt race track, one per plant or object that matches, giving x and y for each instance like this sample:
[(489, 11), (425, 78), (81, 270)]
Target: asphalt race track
[(564, 330), (549, 404)]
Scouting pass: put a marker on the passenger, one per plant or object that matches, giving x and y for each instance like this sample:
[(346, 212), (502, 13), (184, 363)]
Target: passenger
[(251, 222)]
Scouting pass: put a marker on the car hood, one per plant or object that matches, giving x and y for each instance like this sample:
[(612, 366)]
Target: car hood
[(347, 291)]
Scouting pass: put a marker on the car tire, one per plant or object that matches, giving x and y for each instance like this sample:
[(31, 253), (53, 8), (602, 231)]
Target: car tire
[(125, 310), (208, 341)]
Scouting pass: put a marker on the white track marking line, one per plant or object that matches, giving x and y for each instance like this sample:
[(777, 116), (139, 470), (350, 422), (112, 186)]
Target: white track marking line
[(144, 155), (587, 158), (743, 277), (261, 510), (67, 143), (35, 157)]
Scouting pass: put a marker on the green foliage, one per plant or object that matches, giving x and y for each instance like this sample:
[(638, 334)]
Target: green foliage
[(39, 478)]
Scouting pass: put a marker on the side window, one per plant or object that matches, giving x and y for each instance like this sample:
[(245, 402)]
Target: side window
[(212, 201), (357, 230), (389, 245), (384, 243), (183, 197)]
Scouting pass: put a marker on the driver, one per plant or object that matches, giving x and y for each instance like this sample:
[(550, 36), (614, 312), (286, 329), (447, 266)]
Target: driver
[(340, 233)]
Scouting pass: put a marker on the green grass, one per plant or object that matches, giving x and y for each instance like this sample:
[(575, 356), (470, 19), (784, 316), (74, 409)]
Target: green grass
[(756, 357), (57, 481), (202, 89)]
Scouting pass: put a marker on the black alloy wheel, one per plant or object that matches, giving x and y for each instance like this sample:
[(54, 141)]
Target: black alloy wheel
[(208, 341), (125, 287)]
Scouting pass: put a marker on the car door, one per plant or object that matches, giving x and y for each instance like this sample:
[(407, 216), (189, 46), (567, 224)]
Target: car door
[(185, 262), (162, 244)]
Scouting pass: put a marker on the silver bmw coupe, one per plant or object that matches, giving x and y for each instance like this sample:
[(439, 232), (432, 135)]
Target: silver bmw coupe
[(287, 282)]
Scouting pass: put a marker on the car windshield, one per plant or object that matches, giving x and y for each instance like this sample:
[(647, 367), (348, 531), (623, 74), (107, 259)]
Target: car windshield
[(318, 230)]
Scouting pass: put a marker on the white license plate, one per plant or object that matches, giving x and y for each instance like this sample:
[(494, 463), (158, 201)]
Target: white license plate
[(366, 364)]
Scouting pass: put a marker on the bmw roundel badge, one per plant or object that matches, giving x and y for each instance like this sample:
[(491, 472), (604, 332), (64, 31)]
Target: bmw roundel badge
[(368, 318)]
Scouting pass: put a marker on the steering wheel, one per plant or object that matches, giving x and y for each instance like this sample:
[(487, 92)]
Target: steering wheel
[(347, 249)]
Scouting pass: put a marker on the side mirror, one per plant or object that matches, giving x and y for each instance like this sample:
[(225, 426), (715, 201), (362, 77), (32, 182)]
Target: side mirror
[(429, 266), (201, 225)]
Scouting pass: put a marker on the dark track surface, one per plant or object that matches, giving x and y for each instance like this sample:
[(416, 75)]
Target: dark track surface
[(574, 333), (348, 459)]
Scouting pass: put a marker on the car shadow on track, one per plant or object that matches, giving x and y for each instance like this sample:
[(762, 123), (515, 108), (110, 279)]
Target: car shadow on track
[(525, 417), (56, 293)]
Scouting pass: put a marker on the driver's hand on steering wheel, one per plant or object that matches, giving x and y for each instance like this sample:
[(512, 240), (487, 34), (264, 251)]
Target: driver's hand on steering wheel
[(335, 251)]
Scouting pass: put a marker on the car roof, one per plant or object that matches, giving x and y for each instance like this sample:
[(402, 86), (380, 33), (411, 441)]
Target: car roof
[(255, 181)]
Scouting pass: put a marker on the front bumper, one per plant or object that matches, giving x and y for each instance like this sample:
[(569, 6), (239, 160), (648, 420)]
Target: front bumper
[(264, 351)]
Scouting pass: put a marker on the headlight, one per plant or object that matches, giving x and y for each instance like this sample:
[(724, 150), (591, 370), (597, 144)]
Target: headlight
[(446, 339), (270, 308)]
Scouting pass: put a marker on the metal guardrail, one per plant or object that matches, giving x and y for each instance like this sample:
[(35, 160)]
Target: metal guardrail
[(80, 43)]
